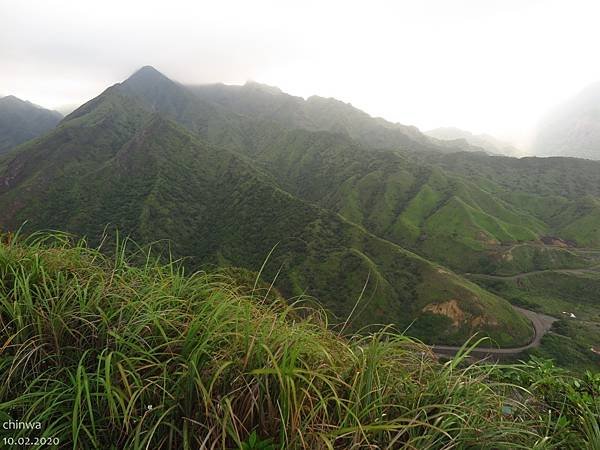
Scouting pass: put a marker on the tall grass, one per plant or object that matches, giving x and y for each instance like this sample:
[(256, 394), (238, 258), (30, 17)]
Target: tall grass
[(107, 354)]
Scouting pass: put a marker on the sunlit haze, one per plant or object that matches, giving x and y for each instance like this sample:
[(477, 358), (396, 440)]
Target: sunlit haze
[(484, 66)]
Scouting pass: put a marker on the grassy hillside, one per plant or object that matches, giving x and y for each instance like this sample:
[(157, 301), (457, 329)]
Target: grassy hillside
[(116, 163), (444, 213), (570, 178), (444, 217), (570, 343), (571, 296), (551, 292), (488, 201), (562, 192), (322, 150), (105, 354), (581, 221), (241, 180), (527, 257)]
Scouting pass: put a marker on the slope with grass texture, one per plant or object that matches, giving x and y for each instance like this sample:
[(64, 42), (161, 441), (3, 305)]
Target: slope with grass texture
[(563, 193), (528, 257), (581, 221), (443, 217), (572, 340), (322, 151), (105, 354), (494, 183)]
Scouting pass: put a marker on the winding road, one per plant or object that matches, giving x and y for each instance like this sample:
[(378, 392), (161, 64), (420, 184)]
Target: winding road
[(581, 271), (541, 322), (541, 325)]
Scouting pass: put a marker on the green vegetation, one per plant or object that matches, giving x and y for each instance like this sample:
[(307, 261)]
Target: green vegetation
[(106, 353), (21, 121), (573, 340), (551, 292), (585, 228), (570, 344), (442, 217), (346, 206), (531, 257), (510, 199), (114, 163)]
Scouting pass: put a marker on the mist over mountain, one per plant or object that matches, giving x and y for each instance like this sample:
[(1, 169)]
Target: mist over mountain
[(21, 121), (436, 235), (268, 103), (488, 143), (573, 128), (304, 226), (298, 259)]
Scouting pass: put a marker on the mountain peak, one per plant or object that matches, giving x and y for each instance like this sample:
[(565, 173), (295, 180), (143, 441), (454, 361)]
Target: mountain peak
[(146, 74), (11, 99), (147, 70)]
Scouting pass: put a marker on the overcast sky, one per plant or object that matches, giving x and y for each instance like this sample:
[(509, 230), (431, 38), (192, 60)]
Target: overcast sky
[(482, 65)]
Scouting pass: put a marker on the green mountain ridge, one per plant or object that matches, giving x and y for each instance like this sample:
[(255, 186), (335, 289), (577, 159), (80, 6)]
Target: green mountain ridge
[(456, 206), (21, 121), (228, 173), (118, 160), (489, 187), (563, 193), (269, 104), (408, 203)]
